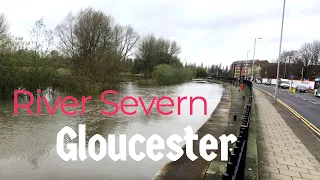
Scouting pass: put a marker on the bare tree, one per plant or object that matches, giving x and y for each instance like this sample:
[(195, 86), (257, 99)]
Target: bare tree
[(65, 34), (125, 40), (175, 49), (94, 44), (4, 26), (315, 50), (153, 51), (306, 53), (288, 56), (41, 38)]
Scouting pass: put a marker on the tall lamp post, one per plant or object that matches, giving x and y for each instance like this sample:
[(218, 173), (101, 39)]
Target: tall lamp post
[(254, 52), (276, 91)]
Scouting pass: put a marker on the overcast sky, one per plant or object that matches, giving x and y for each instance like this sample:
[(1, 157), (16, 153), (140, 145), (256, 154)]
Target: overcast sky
[(209, 31)]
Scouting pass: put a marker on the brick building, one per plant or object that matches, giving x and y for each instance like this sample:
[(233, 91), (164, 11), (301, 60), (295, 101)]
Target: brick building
[(243, 68)]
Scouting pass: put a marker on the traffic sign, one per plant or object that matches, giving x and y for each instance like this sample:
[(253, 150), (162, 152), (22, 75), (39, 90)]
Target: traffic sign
[(291, 76)]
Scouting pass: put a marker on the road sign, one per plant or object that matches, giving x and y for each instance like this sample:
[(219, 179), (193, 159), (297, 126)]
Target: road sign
[(291, 76)]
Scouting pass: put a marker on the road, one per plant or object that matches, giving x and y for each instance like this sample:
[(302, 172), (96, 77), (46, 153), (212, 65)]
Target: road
[(305, 104)]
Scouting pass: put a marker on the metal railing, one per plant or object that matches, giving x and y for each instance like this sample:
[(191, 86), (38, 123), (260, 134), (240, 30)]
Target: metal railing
[(237, 159)]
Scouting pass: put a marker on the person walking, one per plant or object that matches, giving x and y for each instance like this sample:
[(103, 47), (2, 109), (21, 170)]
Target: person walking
[(241, 86)]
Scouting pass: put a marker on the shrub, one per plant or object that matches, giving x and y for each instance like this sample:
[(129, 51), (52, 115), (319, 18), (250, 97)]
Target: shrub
[(164, 74)]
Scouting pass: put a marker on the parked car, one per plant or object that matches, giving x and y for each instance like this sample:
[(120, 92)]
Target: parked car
[(301, 88), (267, 83)]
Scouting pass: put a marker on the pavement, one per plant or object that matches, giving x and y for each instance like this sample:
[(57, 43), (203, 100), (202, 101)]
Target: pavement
[(282, 155), (305, 104)]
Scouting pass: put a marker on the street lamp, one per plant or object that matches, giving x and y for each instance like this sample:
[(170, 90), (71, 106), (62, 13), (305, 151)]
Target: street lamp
[(275, 93), (254, 52)]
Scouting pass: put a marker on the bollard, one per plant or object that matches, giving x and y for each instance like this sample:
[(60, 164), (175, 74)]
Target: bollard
[(233, 158), (243, 134), (226, 176), (245, 120), (235, 117), (239, 144), (230, 168), (240, 138), (236, 151), (244, 128)]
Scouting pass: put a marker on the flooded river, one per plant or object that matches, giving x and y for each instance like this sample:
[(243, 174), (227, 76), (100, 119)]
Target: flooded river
[(28, 143)]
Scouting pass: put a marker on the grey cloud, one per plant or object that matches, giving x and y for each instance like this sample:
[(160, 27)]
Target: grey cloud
[(312, 9)]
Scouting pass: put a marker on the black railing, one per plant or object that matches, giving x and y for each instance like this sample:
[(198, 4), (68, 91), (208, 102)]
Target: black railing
[(237, 159)]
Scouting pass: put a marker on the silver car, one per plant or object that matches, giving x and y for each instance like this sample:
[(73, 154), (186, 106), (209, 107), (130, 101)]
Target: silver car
[(301, 88), (284, 85), (258, 81), (267, 83)]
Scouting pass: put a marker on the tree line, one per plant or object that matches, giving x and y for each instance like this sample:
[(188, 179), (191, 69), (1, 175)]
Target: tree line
[(301, 63), (86, 53)]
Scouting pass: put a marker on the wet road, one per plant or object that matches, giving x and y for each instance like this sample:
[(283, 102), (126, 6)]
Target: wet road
[(28, 143), (305, 104)]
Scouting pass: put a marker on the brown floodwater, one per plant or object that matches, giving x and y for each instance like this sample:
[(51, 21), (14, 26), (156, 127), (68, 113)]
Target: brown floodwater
[(28, 143)]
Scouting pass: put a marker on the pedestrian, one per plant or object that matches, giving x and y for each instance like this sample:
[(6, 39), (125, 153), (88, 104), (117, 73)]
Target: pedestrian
[(241, 86)]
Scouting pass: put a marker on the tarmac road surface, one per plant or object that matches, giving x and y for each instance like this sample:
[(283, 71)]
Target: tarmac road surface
[(305, 104)]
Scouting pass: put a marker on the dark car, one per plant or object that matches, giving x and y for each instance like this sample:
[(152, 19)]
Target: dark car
[(301, 88)]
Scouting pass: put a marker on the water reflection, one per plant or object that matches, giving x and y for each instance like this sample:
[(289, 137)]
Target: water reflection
[(28, 143)]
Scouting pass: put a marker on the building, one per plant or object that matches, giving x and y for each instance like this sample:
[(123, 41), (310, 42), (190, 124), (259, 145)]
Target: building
[(243, 68)]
